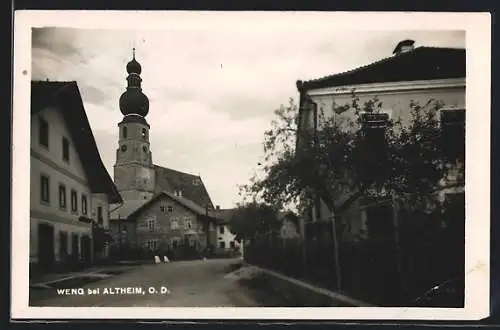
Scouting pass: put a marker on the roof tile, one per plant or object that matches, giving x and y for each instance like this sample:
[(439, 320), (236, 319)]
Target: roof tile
[(422, 63)]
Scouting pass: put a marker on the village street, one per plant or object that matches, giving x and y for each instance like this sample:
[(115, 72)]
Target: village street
[(199, 283)]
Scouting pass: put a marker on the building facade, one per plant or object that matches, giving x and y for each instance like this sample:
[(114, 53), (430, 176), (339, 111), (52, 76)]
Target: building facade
[(150, 190), (70, 189), (168, 221), (411, 74)]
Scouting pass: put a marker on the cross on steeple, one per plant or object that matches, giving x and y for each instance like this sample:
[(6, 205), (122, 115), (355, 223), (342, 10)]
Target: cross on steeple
[(133, 53)]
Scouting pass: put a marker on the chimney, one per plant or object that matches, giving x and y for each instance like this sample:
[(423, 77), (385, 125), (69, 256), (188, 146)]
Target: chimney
[(404, 47)]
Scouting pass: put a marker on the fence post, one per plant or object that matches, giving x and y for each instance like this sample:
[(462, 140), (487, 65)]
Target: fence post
[(303, 247), (395, 218), (336, 251)]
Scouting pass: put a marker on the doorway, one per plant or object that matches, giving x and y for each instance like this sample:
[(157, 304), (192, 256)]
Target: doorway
[(46, 253), (74, 248), (86, 249)]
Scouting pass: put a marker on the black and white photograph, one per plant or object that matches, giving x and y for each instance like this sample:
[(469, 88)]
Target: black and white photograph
[(226, 163)]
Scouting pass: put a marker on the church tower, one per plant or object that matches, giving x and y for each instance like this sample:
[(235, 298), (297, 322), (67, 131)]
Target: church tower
[(134, 173)]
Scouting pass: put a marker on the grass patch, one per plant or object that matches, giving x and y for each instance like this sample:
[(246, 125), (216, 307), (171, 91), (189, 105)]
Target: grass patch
[(265, 292), (269, 291)]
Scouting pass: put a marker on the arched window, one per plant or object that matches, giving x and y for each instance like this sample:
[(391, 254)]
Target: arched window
[(144, 133), (124, 131)]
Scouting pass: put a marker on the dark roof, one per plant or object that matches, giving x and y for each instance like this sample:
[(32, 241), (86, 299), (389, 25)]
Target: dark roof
[(190, 185), (181, 200), (66, 96), (225, 215), (124, 210), (422, 63)]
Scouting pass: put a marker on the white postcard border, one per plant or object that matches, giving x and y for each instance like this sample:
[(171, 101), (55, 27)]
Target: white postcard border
[(478, 40)]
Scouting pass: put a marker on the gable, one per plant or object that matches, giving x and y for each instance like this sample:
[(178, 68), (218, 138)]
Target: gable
[(165, 195), (191, 186), (66, 97)]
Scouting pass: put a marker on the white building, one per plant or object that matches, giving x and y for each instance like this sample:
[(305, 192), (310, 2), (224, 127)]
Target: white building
[(226, 240), (70, 189), (410, 74)]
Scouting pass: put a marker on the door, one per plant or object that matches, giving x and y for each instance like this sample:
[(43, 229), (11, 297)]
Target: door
[(86, 249), (63, 246), (46, 253), (74, 248)]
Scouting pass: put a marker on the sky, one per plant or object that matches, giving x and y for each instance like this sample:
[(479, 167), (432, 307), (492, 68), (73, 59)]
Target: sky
[(212, 92)]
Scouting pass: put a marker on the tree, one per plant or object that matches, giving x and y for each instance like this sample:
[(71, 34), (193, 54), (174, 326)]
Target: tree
[(345, 156), (253, 218)]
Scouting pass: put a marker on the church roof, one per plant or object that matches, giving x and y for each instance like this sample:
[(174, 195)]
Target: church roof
[(66, 96), (181, 200), (422, 63), (191, 186)]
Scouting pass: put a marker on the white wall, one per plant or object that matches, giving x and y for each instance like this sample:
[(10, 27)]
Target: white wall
[(396, 98), (227, 237), (450, 91), (101, 200), (50, 163)]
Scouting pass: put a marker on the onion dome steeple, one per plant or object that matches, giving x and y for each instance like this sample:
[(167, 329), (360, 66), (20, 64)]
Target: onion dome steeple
[(133, 66), (133, 100)]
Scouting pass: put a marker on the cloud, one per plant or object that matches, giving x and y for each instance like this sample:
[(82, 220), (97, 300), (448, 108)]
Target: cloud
[(212, 93)]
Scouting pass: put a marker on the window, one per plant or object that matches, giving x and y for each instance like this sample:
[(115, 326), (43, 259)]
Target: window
[(124, 148), (170, 208), (152, 244), (144, 133), (145, 148), (453, 132), (175, 243), (174, 225), (124, 132), (124, 227), (151, 224), (62, 196), (74, 201), (162, 208), (44, 189), (187, 223), (232, 244), (221, 230), (222, 245), (196, 181), (99, 215), (65, 149), (84, 204), (43, 132)]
